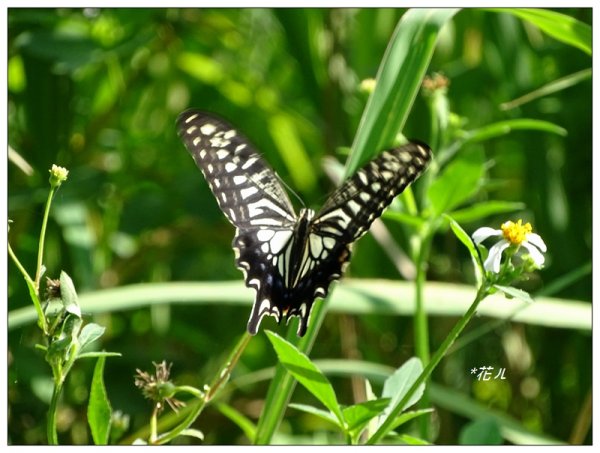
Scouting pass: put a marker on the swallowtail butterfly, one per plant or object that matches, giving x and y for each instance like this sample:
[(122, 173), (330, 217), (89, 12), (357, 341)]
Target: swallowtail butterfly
[(291, 259)]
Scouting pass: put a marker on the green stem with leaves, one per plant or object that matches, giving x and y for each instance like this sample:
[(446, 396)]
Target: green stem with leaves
[(387, 425)]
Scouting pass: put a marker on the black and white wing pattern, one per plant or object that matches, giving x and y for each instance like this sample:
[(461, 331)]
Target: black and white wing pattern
[(290, 260)]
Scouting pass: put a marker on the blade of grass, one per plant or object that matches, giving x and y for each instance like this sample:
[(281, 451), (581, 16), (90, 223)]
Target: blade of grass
[(398, 82), (352, 296), (559, 26), (557, 85)]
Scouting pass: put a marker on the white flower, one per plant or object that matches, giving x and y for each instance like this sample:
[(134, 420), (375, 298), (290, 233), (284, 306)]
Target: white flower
[(58, 175), (511, 234)]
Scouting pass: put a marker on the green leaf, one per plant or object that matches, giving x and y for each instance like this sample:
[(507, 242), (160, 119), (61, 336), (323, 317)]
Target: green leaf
[(463, 237), (306, 373), (459, 181), (404, 218), (399, 77), (407, 416), (99, 410), (553, 87), (481, 210), (359, 415), (505, 127), (484, 431), (321, 413), (396, 386), (515, 292), (90, 333), (68, 295), (559, 26), (191, 432), (243, 422), (412, 440)]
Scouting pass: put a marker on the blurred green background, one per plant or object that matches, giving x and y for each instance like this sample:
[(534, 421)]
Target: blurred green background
[(98, 91)]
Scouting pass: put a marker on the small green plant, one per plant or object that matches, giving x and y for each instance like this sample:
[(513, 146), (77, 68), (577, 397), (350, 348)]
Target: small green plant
[(66, 339)]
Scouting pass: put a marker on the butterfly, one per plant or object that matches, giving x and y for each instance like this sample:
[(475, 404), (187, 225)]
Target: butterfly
[(291, 259)]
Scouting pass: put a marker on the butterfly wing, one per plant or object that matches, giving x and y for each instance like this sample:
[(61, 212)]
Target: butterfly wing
[(250, 195), (246, 188), (289, 260), (352, 208)]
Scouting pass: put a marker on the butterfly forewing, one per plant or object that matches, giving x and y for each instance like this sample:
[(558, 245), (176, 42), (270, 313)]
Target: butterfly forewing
[(244, 185), (351, 209)]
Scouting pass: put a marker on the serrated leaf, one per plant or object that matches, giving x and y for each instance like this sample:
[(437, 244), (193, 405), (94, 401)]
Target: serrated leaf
[(68, 295), (99, 410), (306, 373)]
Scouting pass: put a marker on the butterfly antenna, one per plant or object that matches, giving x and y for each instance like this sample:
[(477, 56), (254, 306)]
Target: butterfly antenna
[(290, 190)]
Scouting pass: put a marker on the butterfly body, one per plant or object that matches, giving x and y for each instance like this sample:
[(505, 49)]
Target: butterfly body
[(290, 259)]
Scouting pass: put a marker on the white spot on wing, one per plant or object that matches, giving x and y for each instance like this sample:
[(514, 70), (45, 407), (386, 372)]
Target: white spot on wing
[(265, 235), (222, 153), (239, 179), (191, 117), (279, 240), (229, 167), (248, 192), (363, 177), (249, 162), (208, 129), (329, 243), (316, 245), (354, 206)]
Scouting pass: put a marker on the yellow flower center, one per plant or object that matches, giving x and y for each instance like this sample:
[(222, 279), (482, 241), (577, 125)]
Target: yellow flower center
[(515, 233)]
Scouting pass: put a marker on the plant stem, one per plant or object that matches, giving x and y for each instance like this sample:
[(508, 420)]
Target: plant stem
[(52, 409), (435, 360), (217, 383), (38, 271), (421, 319), (32, 291)]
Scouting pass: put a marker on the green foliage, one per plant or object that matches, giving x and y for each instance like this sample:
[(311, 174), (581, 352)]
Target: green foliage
[(352, 420), (98, 90), (99, 410)]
